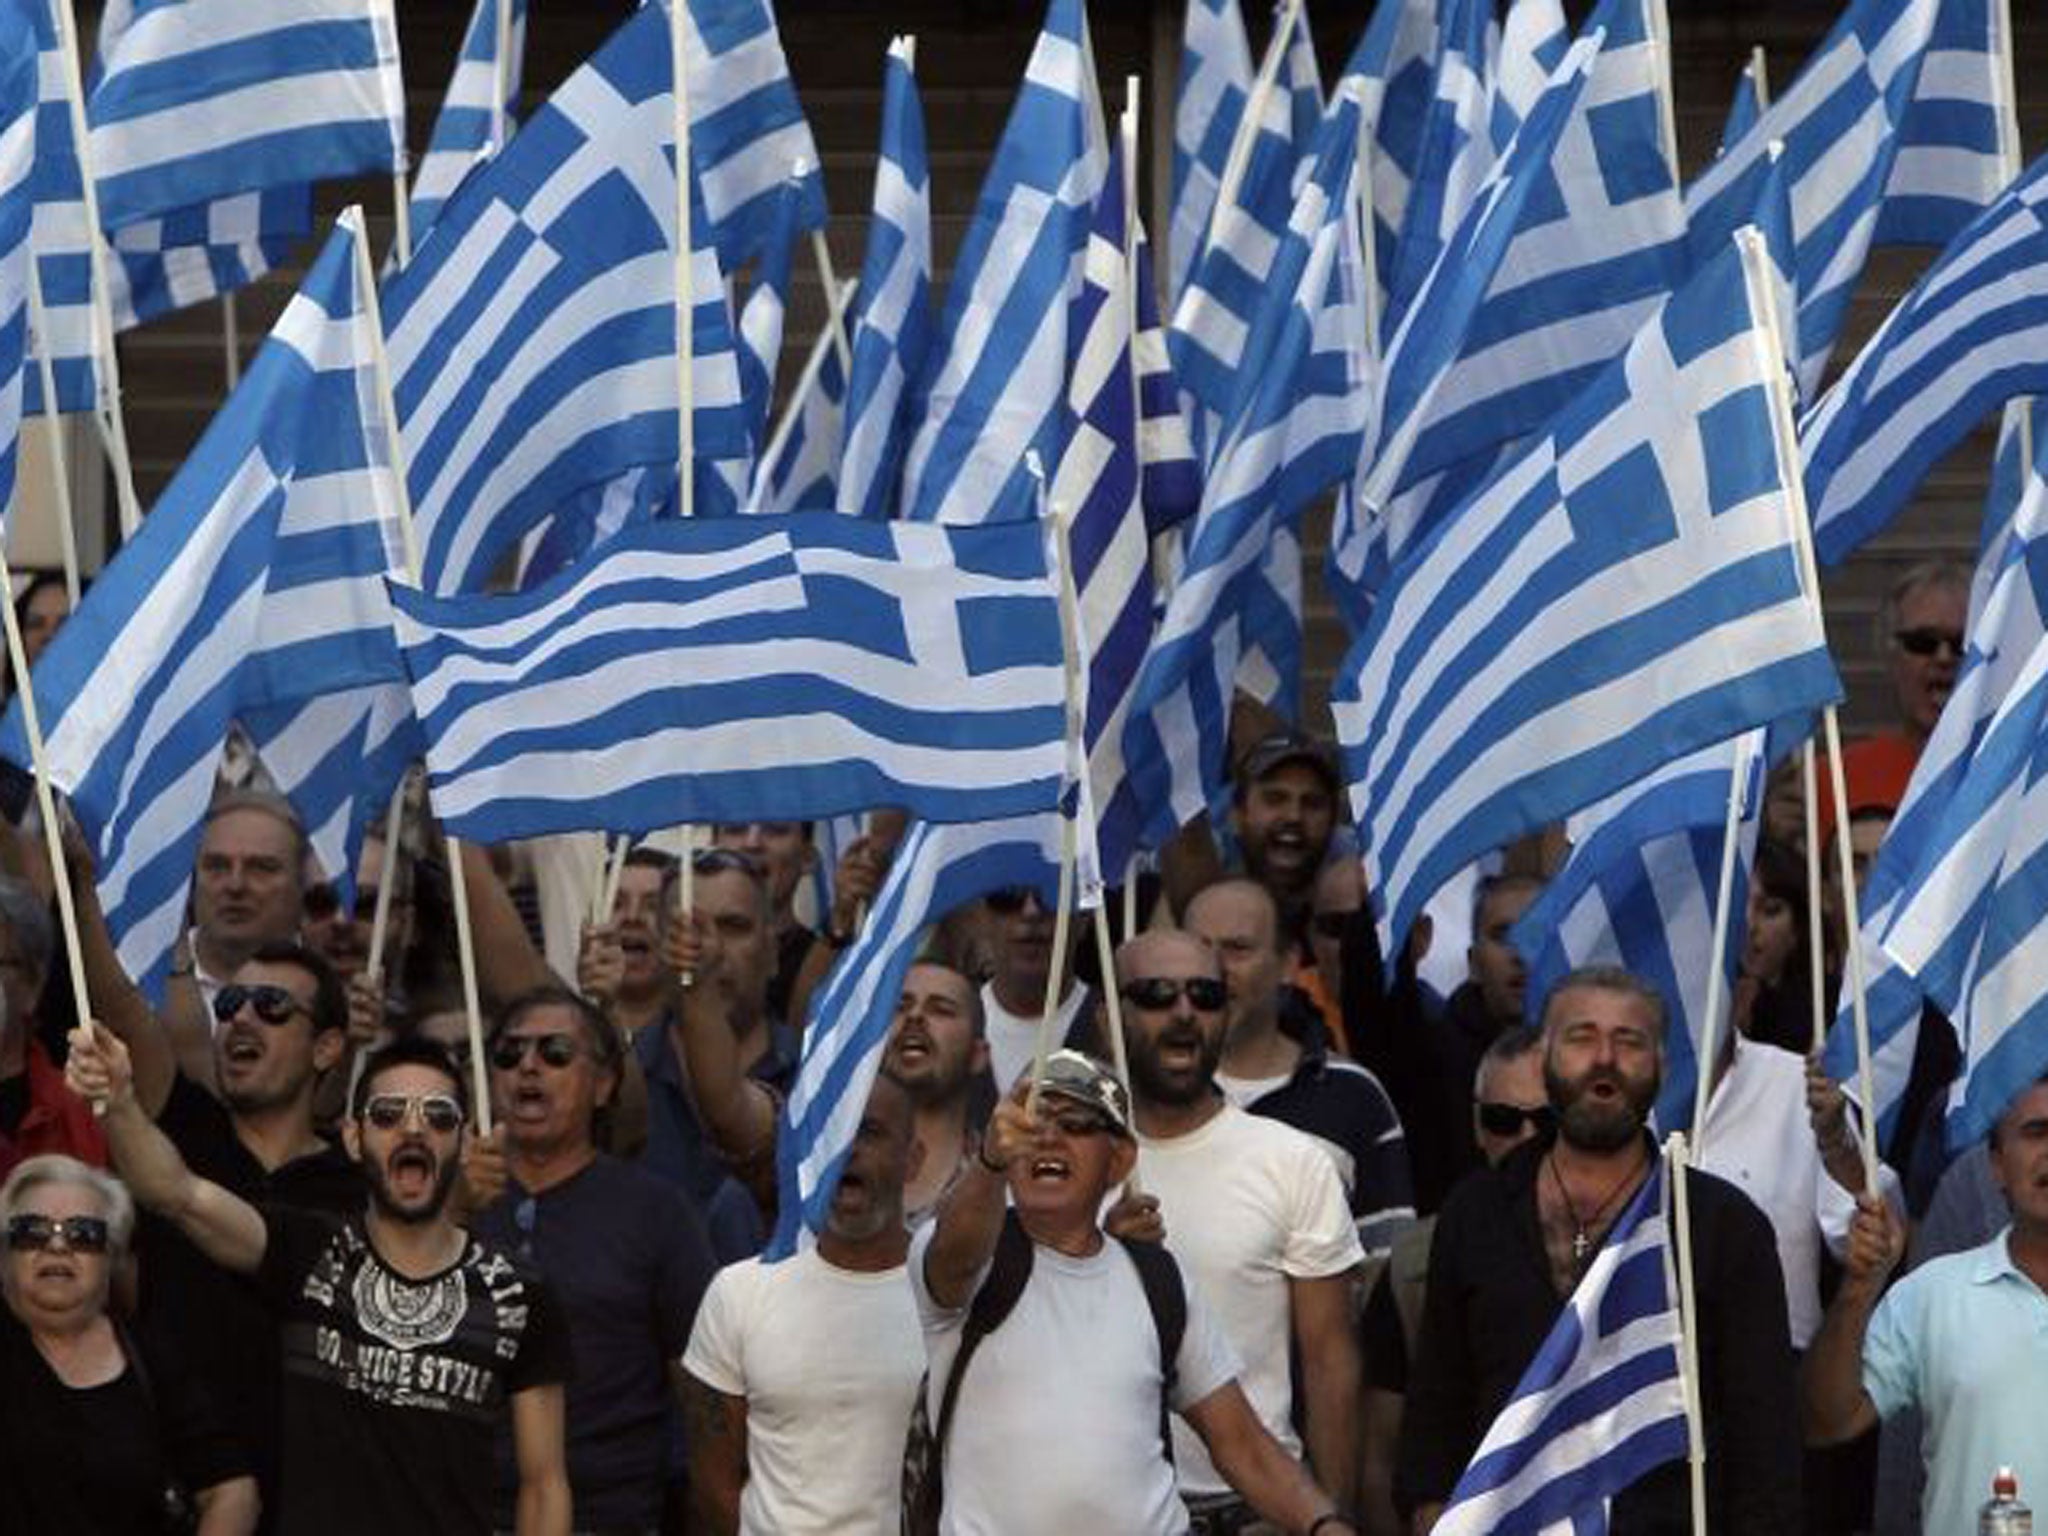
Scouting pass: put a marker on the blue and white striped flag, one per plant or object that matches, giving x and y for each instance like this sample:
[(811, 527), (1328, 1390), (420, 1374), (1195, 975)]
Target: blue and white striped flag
[(1845, 121), (696, 671), (191, 103), (1638, 891), (1295, 429), (1394, 65), (18, 99), (2008, 623), (62, 253), (1972, 334), (892, 318), (1747, 104), (802, 474), (193, 254), (764, 314), (476, 112), (253, 584), (1625, 591), (1456, 153), (994, 385), (1215, 81), (532, 341), (1602, 1403), (936, 869)]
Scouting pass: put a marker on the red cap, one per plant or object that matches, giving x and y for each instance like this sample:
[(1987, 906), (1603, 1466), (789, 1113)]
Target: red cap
[(1875, 772)]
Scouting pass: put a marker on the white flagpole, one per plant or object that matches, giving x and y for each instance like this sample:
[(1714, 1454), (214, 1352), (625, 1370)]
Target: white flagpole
[(1063, 906), (1760, 75), (113, 427), (807, 381), (835, 298), (1724, 897), (1677, 1170), (502, 75), (380, 916), (458, 882), (1254, 108), (60, 460), (686, 403), (230, 340), (1753, 259), (1816, 919)]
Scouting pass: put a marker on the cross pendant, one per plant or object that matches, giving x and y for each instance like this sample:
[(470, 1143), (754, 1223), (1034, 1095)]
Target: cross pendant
[(1580, 1245)]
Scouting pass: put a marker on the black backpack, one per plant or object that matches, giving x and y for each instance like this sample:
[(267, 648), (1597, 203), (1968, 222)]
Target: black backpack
[(1010, 1270)]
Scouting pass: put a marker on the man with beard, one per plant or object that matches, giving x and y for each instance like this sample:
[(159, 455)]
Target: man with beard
[(1049, 1420), (405, 1339), (1256, 1214), (937, 1053), (1514, 1240), (801, 1376), (784, 853), (622, 1249)]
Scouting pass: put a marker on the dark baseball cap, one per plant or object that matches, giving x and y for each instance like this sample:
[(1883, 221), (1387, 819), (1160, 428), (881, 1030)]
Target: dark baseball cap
[(1270, 753), (1081, 1079)]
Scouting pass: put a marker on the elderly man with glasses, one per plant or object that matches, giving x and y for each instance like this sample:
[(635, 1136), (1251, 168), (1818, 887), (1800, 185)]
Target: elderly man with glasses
[(407, 1342)]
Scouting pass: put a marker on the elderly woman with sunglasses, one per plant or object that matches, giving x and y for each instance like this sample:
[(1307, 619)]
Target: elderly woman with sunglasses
[(94, 1435)]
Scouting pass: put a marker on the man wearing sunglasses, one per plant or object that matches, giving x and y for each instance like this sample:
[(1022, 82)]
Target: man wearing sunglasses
[(407, 1342), (1921, 626), (1022, 924), (1055, 1415), (1255, 1212), (627, 1254)]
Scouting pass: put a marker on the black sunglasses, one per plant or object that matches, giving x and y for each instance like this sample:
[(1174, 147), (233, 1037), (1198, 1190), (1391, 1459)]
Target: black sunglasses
[(273, 1005), (557, 1050), (81, 1234), (1925, 642), (439, 1112), (1155, 994), (1508, 1119), (1011, 900)]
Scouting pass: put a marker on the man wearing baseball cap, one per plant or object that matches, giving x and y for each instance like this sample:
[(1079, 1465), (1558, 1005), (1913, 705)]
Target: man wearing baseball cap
[(1056, 1350)]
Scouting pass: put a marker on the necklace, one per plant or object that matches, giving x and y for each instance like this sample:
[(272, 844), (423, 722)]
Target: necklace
[(1582, 1240)]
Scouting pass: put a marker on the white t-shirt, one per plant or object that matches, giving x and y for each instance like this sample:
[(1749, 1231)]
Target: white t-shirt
[(828, 1360), (1249, 1204), (1056, 1428), (1013, 1041)]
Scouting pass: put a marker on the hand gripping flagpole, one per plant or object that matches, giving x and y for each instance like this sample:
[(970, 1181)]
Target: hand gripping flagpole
[(1284, 21), (1063, 902), (60, 460), (1708, 1049), (113, 427), (1751, 245), (371, 315), (1678, 1227)]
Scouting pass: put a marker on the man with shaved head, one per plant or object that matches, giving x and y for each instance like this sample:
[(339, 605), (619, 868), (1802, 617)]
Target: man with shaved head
[(1255, 1211)]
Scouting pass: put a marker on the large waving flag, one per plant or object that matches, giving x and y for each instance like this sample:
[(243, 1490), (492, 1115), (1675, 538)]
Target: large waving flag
[(1972, 334), (1625, 591), (1215, 80), (994, 386), (252, 584), (1294, 430), (730, 669), (1892, 74), (476, 113), (532, 341), (892, 323), (196, 102), (1602, 1403), (936, 868)]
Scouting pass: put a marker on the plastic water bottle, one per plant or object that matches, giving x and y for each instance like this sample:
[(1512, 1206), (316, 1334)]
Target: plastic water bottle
[(2003, 1514)]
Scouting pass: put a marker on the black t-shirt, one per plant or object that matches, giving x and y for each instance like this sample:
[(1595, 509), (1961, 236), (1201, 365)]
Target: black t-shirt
[(97, 1461), (394, 1388), (216, 1318)]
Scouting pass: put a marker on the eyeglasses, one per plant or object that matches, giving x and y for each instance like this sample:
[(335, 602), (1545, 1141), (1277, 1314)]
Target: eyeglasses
[(1078, 1123), (273, 1005), (33, 1233), (439, 1112), (1508, 1119), (509, 1051), (1331, 925), (1925, 642), (1156, 994), (1011, 900)]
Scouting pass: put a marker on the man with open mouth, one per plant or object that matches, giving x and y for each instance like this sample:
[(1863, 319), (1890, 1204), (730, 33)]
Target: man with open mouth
[(406, 1341)]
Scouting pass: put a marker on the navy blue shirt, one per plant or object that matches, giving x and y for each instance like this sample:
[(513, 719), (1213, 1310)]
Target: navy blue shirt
[(679, 1151)]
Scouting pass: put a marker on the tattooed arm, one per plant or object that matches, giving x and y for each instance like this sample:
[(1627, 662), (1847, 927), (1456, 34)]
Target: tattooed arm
[(715, 1435)]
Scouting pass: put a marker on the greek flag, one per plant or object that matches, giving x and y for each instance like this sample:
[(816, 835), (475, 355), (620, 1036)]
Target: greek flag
[(1457, 152), (1747, 104), (1294, 429), (1639, 891), (1876, 84), (197, 102), (1602, 1403), (762, 317), (1215, 81), (2008, 623), (1394, 64), (936, 869), (18, 97), (532, 340), (63, 254), (892, 321), (1972, 334), (194, 254), (696, 671), (252, 584), (800, 473), (994, 385), (477, 111), (1624, 591)]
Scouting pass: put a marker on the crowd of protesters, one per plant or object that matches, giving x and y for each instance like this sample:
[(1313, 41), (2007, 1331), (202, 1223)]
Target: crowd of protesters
[(266, 1271)]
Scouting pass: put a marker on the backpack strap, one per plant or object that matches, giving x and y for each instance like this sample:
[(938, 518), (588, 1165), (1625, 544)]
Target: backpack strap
[(1008, 1272), (1167, 1297)]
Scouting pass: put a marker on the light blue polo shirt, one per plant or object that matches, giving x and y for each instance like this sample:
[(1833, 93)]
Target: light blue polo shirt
[(1965, 1337)]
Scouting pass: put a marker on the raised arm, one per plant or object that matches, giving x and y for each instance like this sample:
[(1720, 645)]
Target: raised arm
[(971, 1218), (738, 1111), (115, 1000), (224, 1227), (1833, 1403), (507, 964)]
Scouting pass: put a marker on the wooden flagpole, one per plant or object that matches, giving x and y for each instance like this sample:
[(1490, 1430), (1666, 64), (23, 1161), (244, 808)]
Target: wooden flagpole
[(1063, 905), (501, 94), (1816, 919), (807, 381), (686, 403), (1724, 896), (1677, 1168), (60, 459), (366, 297)]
